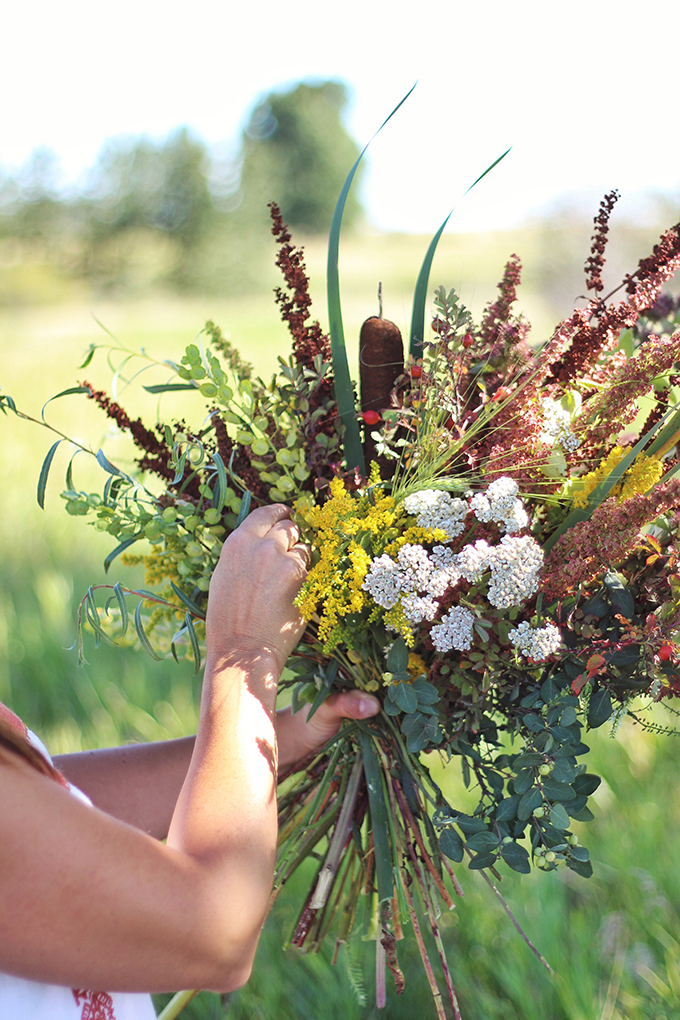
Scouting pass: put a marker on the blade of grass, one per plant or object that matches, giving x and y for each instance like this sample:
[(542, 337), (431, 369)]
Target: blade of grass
[(422, 283), (599, 494), (344, 394), (376, 800)]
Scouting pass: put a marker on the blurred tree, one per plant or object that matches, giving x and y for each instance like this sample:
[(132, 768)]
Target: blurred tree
[(297, 152), (138, 184)]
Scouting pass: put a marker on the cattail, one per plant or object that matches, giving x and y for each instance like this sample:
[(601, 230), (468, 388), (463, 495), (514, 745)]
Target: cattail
[(381, 362)]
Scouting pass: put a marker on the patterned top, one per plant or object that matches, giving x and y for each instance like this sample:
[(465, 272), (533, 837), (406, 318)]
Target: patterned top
[(21, 999)]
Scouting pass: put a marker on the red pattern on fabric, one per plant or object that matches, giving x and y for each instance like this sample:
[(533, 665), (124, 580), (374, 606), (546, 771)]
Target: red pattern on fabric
[(96, 1005)]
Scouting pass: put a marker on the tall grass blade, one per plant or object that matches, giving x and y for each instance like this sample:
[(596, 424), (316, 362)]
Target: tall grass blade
[(344, 393), (599, 494), (422, 283), (376, 800), (44, 472)]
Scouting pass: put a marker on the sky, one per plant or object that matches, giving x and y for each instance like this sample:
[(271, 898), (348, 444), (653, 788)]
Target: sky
[(584, 93)]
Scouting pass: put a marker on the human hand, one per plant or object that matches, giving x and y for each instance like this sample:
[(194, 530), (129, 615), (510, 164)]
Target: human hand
[(298, 737), (250, 604)]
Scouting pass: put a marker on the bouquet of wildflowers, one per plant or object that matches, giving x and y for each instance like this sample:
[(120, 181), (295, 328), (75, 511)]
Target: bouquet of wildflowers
[(494, 529)]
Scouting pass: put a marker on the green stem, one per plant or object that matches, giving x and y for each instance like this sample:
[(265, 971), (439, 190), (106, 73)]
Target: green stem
[(177, 1004)]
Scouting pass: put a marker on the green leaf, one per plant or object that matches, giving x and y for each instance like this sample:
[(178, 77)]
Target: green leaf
[(451, 845), (220, 496), (188, 603), (64, 393), (579, 853), (482, 861), (344, 393), (143, 639), (599, 708), (516, 857), (586, 784), (122, 606), (559, 817), (422, 283), (121, 548), (44, 472), (507, 808), (405, 697), (397, 657), (483, 841), (195, 648), (245, 508), (376, 801), (582, 868), (170, 387), (531, 800), (620, 597), (523, 781), (557, 791), (107, 465)]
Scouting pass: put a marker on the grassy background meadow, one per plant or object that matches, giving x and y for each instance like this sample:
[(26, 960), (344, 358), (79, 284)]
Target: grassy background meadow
[(613, 941)]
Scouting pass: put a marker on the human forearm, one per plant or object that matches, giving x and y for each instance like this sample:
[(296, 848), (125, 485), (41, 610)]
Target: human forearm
[(136, 783)]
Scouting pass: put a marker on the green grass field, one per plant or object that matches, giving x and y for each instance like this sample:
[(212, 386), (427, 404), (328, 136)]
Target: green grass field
[(613, 941)]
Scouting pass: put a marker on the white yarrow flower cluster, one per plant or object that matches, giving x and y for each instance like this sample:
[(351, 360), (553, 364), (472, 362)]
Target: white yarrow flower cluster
[(557, 426), (416, 578), (455, 631), (433, 508), (536, 643), (500, 504), (515, 567)]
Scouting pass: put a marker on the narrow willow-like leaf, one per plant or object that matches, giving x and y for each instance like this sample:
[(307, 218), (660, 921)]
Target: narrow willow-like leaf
[(179, 473), (344, 393), (245, 508), (187, 602), (143, 639), (423, 281), (122, 605), (44, 472), (110, 468), (69, 473), (195, 647), (220, 496), (169, 387), (5, 402), (599, 494), (89, 356), (64, 393), (119, 549), (376, 800)]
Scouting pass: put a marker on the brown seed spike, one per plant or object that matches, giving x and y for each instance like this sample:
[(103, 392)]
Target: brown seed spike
[(381, 362)]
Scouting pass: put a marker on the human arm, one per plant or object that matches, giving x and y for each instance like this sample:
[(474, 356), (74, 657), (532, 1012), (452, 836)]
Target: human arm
[(140, 783), (91, 902)]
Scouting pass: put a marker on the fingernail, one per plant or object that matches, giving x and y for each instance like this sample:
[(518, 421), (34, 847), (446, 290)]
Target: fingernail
[(367, 707)]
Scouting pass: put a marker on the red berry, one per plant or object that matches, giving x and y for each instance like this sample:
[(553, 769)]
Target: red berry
[(416, 371), (666, 653), (371, 417), (468, 340)]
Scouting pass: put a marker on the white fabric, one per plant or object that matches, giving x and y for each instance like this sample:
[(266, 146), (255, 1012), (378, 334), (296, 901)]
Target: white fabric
[(31, 1000), (21, 999)]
